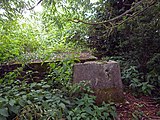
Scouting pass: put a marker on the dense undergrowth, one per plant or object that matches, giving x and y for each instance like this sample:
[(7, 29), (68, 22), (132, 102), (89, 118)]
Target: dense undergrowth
[(133, 80), (52, 98)]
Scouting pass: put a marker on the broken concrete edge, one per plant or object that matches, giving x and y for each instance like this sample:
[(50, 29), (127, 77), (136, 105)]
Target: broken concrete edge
[(41, 63), (77, 57), (5, 68), (77, 60), (98, 62)]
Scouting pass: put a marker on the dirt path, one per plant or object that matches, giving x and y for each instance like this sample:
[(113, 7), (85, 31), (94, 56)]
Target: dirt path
[(143, 108)]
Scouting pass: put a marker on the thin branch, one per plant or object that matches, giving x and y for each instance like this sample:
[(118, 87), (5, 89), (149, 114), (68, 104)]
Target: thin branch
[(113, 19), (35, 5), (139, 12), (129, 18), (134, 15)]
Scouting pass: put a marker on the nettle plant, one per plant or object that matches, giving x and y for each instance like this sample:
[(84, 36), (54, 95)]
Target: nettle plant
[(53, 98), (131, 77)]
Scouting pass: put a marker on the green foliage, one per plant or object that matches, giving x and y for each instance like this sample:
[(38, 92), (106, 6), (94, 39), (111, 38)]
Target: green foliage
[(136, 115), (9, 47), (85, 109), (38, 37), (53, 98), (141, 87), (129, 74), (11, 9), (15, 41), (132, 78), (61, 72)]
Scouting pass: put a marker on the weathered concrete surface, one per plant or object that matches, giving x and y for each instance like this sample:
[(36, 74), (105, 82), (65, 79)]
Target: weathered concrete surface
[(103, 77), (42, 66)]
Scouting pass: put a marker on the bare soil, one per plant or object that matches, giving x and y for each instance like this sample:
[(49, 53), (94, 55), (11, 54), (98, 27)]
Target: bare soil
[(141, 108)]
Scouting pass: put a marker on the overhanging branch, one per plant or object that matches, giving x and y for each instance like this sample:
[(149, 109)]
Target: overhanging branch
[(117, 17)]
